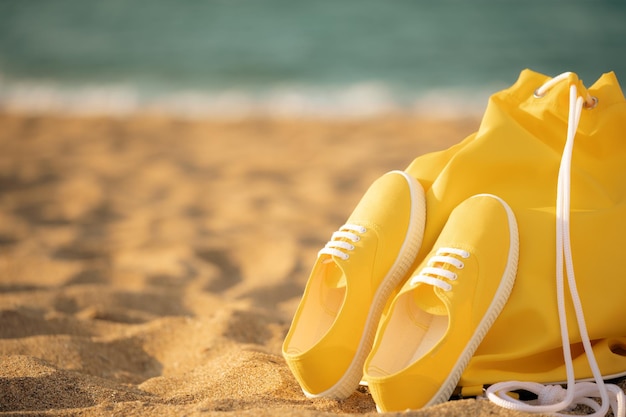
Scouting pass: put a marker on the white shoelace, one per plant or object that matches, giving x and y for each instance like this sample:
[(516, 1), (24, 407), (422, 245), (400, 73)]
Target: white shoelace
[(339, 243), (554, 398), (430, 273)]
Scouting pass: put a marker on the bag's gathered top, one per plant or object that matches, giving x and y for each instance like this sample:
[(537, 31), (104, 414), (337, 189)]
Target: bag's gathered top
[(554, 398)]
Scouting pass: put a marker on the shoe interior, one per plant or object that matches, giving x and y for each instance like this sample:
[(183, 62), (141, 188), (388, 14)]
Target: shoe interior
[(410, 334), (320, 309)]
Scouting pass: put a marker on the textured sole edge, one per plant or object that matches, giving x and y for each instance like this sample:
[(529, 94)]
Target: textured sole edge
[(495, 308), (349, 382)]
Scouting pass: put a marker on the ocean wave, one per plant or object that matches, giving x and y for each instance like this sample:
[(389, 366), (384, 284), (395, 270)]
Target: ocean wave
[(351, 101)]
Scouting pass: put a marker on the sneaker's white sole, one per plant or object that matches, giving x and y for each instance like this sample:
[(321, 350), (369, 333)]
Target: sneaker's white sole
[(492, 313), (348, 383)]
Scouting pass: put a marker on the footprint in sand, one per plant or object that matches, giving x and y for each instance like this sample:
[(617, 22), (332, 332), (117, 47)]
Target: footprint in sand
[(29, 384), (229, 272)]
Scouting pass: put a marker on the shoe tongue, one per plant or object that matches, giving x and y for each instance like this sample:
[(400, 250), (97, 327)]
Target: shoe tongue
[(333, 274), (428, 300)]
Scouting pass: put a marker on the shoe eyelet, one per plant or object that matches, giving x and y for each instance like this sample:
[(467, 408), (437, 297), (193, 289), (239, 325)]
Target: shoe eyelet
[(362, 229), (454, 277), (461, 265), (539, 94), (351, 247), (356, 239), (594, 103), (345, 257)]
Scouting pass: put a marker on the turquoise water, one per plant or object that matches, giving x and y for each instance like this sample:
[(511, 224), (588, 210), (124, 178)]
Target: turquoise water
[(327, 55)]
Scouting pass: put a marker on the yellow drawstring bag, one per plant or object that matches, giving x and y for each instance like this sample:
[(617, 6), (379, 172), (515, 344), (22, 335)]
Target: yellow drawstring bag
[(517, 154)]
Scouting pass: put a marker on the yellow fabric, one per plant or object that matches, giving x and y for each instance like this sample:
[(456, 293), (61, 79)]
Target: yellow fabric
[(515, 155)]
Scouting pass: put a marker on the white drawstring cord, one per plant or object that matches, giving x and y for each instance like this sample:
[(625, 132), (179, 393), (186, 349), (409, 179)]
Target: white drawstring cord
[(552, 399)]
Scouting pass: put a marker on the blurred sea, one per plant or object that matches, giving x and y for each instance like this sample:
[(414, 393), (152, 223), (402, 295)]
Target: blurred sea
[(320, 57)]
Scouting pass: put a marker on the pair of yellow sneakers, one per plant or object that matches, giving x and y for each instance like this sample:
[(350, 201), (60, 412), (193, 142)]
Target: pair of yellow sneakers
[(409, 335)]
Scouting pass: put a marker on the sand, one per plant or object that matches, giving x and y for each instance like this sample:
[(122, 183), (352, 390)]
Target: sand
[(151, 266)]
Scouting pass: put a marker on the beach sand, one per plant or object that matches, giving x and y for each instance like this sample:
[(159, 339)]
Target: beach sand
[(151, 266)]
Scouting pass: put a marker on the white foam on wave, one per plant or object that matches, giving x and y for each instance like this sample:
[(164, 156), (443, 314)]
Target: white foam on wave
[(351, 101)]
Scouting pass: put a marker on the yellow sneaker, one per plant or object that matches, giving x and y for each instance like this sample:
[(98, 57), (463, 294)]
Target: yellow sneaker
[(442, 313), (351, 281)]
